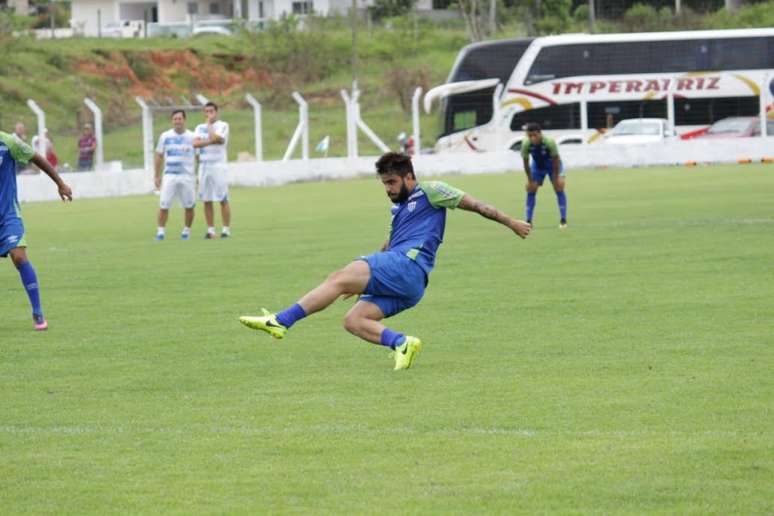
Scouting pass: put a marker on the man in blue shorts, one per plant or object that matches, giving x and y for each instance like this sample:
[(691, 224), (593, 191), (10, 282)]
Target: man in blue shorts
[(545, 162), (395, 278), (13, 151)]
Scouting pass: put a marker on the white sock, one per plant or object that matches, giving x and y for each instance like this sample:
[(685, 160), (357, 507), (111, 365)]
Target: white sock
[(226, 229), (211, 230), (160, 231)]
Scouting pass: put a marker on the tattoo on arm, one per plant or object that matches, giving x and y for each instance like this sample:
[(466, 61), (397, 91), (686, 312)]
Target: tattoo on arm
[(488, 211)]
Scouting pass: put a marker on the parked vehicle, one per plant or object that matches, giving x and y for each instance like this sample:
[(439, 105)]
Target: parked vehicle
[(735, 127), (571, 83), (211, 29), (123, 29), (639, 130)]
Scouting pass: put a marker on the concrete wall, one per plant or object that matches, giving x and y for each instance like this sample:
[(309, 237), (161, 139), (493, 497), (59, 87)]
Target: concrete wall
[(275, 173)]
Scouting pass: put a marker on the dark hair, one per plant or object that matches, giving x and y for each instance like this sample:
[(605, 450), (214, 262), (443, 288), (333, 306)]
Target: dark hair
[(395, 163), (181, 111), (532, 127), (212, 105)]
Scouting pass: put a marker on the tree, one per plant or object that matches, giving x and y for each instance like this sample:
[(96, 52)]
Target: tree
[(390, 8), (473, 13)]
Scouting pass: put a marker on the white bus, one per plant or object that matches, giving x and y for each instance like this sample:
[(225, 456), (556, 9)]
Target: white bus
[(579, 84)]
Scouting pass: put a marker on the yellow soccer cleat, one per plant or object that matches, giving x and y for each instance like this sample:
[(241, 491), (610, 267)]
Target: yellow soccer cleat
[(266, 322), (406, 353)]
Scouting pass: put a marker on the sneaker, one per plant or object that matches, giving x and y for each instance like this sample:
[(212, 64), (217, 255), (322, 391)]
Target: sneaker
[(210, 236), (266, 322), (159, 237), (405, 354), (225, 234), (185, 236), (563, 224), (40, 322)]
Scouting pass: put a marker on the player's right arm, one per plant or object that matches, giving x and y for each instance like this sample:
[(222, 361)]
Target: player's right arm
[(24, 154), (158, 161), (525, 159), (65, 193), (488, 211)]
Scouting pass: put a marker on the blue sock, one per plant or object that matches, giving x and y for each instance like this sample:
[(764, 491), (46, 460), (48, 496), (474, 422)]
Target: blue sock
[(30, 281), (392, 339), (561, 199), (290, 316), (531, 201)]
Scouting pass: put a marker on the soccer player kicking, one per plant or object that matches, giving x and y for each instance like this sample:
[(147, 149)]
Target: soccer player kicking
[(545, 162), (12, 242), (395, 278)]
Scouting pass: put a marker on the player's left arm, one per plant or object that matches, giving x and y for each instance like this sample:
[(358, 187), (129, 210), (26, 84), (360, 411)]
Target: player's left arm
[(42, 163), (469, 203), (553, 151)]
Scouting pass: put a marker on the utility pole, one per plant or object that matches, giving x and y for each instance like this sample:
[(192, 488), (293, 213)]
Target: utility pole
[(353, 21), (678, 7), (593, 17), (492, 18), (51, 15)]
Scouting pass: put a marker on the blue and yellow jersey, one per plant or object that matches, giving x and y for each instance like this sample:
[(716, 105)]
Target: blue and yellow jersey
[(12, 150), (543, 154), (418, 224)]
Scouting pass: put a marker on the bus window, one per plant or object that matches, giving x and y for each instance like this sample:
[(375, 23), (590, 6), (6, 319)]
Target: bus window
[(460, 109), (490, 60), (741, 53), (603, 114), (638, 57), (618, 58), (687, 55), (558, 61), (704, 111), (464, 120), (561, 116)]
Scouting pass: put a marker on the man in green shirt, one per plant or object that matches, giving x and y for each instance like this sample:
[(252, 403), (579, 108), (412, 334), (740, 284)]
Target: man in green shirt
[(545, 162), (14, 151)]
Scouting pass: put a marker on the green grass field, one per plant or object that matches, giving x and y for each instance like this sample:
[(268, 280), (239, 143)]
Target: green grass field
[(623, 366)]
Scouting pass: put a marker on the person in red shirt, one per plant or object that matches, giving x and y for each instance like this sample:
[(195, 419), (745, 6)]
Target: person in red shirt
[(87, 144)]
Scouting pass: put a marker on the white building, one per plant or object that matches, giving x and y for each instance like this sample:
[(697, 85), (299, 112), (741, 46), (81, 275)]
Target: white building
[(18, 6), (90, 16)]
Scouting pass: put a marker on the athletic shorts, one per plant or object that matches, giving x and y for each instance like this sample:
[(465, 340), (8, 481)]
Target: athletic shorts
[(397, 282), (539, 175), (11, 236), (213, 184), (178, 186)]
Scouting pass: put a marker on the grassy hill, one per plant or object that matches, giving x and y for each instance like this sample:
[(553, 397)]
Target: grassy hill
[(270, 65)]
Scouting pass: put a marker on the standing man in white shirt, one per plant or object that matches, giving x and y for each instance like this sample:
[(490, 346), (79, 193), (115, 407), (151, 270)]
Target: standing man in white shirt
[(211, 140), (175, 151)]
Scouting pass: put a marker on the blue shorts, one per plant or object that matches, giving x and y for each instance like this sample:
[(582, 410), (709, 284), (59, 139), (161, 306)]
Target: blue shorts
[(397, 282), (11, 236), (539, 175)]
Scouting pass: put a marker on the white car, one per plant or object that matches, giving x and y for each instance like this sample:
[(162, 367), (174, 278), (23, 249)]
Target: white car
[(220, 30), (122, 29), (639, 130)]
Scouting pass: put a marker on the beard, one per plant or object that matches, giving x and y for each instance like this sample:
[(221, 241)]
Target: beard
[(401, 196)]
